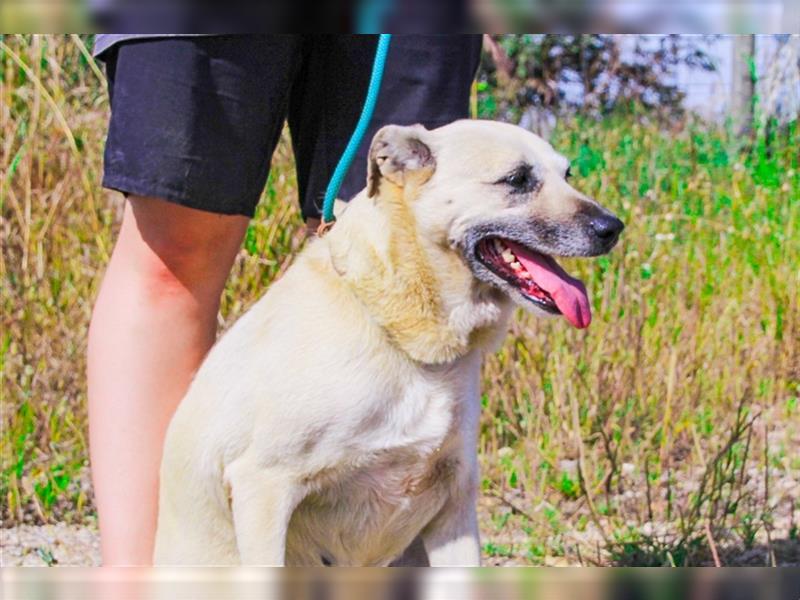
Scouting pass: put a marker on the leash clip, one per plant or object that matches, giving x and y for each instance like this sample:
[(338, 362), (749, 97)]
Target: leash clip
[(325, 226)]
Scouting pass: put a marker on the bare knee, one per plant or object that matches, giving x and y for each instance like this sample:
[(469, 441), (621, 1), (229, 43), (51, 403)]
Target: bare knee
[(178, 252)]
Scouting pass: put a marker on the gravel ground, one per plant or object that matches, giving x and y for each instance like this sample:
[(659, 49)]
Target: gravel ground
[(59, 544), (78, 545), (72, 545)]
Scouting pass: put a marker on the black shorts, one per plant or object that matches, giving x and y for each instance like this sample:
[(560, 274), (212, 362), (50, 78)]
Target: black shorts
[(195, 120)]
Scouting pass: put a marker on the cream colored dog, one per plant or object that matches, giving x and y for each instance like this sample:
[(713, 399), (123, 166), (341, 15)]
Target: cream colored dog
[(336, 421)]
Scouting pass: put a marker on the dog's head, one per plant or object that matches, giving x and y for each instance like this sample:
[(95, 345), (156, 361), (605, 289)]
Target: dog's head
[(500, 197)]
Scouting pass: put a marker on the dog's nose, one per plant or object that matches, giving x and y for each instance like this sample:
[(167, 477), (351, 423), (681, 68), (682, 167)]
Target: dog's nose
[(607, 227)]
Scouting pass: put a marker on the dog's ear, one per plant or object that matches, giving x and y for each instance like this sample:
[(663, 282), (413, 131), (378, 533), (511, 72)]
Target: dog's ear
[(400, 155)]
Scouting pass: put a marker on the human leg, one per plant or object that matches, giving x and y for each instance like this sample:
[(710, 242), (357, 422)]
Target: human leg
[(153, 322), (194, 123)]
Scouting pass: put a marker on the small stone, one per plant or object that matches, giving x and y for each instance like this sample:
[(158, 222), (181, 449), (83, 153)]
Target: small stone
[(568, 466)]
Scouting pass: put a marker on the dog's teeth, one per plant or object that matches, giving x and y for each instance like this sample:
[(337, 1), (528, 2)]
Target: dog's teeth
[(498, 245), (508, 256), (516, 265), (526, 275)]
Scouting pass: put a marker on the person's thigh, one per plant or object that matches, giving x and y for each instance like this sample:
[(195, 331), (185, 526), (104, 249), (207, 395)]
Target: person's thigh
[(194, 120), (427, 80)]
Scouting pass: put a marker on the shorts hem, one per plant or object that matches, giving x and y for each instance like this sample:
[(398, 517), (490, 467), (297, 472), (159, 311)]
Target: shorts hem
[(151, 189)]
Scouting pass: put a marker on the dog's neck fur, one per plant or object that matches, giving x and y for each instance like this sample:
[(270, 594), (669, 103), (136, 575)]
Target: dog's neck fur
[(434, 319)]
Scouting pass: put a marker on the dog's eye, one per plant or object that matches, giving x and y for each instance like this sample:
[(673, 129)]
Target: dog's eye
[(521, 180)]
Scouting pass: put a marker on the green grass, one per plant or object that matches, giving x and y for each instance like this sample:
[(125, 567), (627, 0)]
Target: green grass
[(669, 426)]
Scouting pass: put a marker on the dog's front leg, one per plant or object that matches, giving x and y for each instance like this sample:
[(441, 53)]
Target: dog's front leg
[(452, 538), (262, 502)]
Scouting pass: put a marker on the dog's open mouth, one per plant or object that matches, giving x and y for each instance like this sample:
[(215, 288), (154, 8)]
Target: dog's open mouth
[(538, 277)]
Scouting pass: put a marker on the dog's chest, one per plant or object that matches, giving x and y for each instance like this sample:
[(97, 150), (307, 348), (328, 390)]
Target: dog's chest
[(371, 514), (408, 462)]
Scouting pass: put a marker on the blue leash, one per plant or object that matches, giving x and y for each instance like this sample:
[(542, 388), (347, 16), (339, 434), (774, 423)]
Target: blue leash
[(358, 135)]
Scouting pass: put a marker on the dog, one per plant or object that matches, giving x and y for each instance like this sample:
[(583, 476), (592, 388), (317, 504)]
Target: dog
[(336, 421)]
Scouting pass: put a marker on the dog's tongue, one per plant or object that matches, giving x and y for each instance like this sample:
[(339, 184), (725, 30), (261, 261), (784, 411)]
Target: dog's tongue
[(568, 293)]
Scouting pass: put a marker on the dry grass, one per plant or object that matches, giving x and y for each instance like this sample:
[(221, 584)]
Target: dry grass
[(667, 433)]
